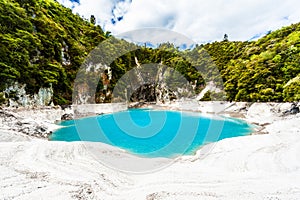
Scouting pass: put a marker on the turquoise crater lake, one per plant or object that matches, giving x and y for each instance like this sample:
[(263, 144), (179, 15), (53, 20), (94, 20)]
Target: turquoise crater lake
[(152, 133)]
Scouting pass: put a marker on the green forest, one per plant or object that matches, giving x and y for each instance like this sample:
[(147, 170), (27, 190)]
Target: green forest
[(43, 44)]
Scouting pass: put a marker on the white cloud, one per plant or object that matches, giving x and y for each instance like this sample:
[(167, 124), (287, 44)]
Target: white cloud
[(156, 36), (121, 9), (67, 3), (101, 9), (200, 20)]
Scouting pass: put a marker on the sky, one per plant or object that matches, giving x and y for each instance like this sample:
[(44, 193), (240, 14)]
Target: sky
[(201, 21)]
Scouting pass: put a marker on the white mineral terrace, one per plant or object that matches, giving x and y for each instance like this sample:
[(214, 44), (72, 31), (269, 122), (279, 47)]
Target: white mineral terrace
[(260, 166)]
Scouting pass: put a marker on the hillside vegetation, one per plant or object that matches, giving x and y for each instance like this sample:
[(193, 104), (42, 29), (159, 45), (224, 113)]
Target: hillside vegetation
[(43, 44), (263, 70)]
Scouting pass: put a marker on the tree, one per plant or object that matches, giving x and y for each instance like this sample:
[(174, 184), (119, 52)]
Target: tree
[(93, 19), (107, 34), (225, 39)]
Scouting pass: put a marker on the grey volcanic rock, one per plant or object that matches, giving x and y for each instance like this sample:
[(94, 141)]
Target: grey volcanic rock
[(144, 93), (293, 110), (12, 122), (136, 105), (67, 116)]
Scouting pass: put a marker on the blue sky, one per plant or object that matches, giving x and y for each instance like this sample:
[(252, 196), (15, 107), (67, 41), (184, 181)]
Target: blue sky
[(200, 20)]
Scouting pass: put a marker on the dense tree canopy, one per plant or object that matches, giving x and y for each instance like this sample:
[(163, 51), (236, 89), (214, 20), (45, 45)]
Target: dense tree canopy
[(43, 43), (260, 70)]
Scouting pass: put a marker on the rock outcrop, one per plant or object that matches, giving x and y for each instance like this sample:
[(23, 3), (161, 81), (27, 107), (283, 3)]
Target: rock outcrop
[(13, 122), (294, 109), (67, 116), (17, 96)]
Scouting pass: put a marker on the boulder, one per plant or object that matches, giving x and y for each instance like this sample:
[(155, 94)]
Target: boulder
[(294, 109), (67, 116)]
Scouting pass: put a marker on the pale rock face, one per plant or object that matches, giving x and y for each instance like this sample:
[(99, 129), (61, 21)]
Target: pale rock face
[(211, 86), (21, 98)]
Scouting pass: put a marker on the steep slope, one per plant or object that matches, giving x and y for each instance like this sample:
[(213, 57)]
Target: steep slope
[(264, 70), (261, 70), (42, 43)]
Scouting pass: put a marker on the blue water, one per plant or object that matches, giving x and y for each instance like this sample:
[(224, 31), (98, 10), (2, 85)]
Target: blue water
[(152, 133)]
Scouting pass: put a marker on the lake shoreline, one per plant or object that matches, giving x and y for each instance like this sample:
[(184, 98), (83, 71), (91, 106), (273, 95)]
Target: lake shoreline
[(40, 122), (247, 167)]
